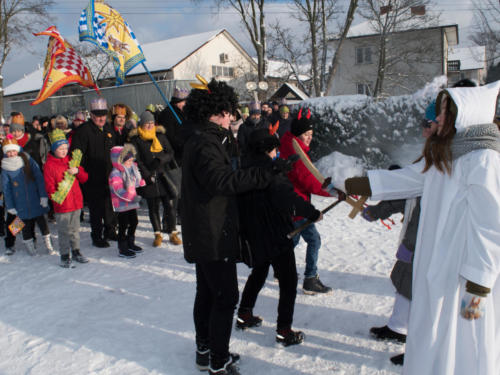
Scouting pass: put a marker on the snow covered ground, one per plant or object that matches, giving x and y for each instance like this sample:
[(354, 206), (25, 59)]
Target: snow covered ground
[(117, 316)]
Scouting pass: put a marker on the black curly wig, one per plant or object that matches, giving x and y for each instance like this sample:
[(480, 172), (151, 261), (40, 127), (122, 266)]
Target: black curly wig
[(201, 104)]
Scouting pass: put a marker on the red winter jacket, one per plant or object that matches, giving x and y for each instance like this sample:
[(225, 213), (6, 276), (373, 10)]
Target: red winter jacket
[(53, 172), (303, 181)]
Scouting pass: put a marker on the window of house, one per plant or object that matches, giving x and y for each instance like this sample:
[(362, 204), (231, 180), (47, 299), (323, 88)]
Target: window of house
[(364, 88), (222, 71), (363, 55), (454, 65)]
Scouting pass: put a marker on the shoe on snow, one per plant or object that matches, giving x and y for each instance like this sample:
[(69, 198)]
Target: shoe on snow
[(229, 368), (203, 357), (78, 257), (102, 243), (289, 337), (385, 333), (248, 320), (65, 261), (126, 254), (313, 285), (10, 251), (399, 359)]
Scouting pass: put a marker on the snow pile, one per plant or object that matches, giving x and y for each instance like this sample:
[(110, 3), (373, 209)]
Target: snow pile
[(380, 132), (339, 167)]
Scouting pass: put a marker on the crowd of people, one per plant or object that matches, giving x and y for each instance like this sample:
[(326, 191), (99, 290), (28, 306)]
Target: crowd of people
[(229, 175)]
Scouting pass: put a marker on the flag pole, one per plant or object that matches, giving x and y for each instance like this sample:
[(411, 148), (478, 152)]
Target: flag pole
[(161, 93)]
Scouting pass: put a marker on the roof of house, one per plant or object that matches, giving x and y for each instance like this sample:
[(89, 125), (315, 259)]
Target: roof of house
[(368, 28), (160, 56), (473, 57)]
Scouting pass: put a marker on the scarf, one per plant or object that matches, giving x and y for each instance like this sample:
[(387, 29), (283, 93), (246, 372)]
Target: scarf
[(149, 135), (477, 137), (12, 164), (23, 140)]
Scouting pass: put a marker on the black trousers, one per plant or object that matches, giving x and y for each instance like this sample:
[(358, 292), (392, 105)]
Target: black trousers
[(286, 270), (127, 224), (29, 227), (169, 216), (216, 299), (102, 216)]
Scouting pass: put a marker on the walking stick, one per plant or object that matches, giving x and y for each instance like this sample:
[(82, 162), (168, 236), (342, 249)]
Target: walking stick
[(309, 222)]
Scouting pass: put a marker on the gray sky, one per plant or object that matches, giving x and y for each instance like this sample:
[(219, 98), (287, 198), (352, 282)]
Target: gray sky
[(153, 20)]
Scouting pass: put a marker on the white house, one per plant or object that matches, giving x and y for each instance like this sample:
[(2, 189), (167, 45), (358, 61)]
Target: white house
[(414, 57), (467, 62)]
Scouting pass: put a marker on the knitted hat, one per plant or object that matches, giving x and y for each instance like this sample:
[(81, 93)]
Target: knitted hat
[(179, 95), (15, 126), (302, 123), (99, 107), (146, 117), (284, 109), (430, 111), (261, 140), (254, 108), (245, 111), (57, 138), (10, 144)]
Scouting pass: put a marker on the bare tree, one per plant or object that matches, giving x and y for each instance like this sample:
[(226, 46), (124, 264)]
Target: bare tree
[(353, 4), (18, 19), (99, 63), (487, 28), (284, 47), (387, 18)]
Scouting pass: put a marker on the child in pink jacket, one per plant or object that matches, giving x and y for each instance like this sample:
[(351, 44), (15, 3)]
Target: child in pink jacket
[(123, 181)]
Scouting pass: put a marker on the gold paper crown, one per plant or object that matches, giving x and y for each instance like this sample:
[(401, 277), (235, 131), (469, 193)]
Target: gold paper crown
[(56, 135), (9, 140), (202, 86)]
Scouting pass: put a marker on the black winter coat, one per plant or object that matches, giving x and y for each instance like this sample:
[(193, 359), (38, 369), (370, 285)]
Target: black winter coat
[(153, 172), (266, 216), (209, 209), (120, 137), (246, 129), (95, 145), (37, 147), (173, 129), (285, 126)]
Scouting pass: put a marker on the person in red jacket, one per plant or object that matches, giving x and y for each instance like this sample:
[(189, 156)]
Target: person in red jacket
[(68, 212), (305, 184)]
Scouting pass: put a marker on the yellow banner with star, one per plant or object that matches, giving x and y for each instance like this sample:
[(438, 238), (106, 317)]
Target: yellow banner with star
[(103, 26)]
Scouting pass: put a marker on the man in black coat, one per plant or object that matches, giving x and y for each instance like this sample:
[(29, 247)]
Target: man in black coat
[(253, 122), (168, 120), (95, 139), (118, 116), (209, 215)]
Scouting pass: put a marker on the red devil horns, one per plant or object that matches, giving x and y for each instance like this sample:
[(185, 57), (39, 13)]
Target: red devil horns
[(308, 116), (274, 129)]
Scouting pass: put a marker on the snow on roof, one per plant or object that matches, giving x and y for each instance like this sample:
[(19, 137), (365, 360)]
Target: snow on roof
[(369, 28), (278, 69), (473, 57), (160, 55), (301, 94)]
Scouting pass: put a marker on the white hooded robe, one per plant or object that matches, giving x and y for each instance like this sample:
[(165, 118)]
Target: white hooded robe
[(458, 240)]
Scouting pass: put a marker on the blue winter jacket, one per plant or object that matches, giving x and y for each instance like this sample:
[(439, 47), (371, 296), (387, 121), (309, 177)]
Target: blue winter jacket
[(24, 195)]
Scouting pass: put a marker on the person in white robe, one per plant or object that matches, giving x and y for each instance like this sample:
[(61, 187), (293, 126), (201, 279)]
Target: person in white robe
[(454, 325)]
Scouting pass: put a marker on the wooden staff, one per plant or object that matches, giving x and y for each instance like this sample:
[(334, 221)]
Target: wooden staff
[(309, 222)]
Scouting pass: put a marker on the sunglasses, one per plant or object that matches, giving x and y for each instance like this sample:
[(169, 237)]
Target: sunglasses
[(427, 124)]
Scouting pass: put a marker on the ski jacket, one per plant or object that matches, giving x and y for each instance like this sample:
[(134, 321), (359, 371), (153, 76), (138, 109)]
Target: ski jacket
[(123, 185), (53, 173), (22, 194), (458, 240), (95, 145), (209, 210), (303, 181), (266, 215), (153, 172)]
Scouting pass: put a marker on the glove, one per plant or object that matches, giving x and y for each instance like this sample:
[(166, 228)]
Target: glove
[(366, 214), (472, 306), (44, 202), (155, 164), (284, 165), (12, 211)]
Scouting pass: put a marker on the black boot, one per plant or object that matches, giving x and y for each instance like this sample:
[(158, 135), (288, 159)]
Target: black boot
[(124, 252), (110, 234), (225, 366), (65, 261), (385, 333), (78, 257), (399, 359), (313, 285), (287, 336), (132, 246), (246, 319)]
